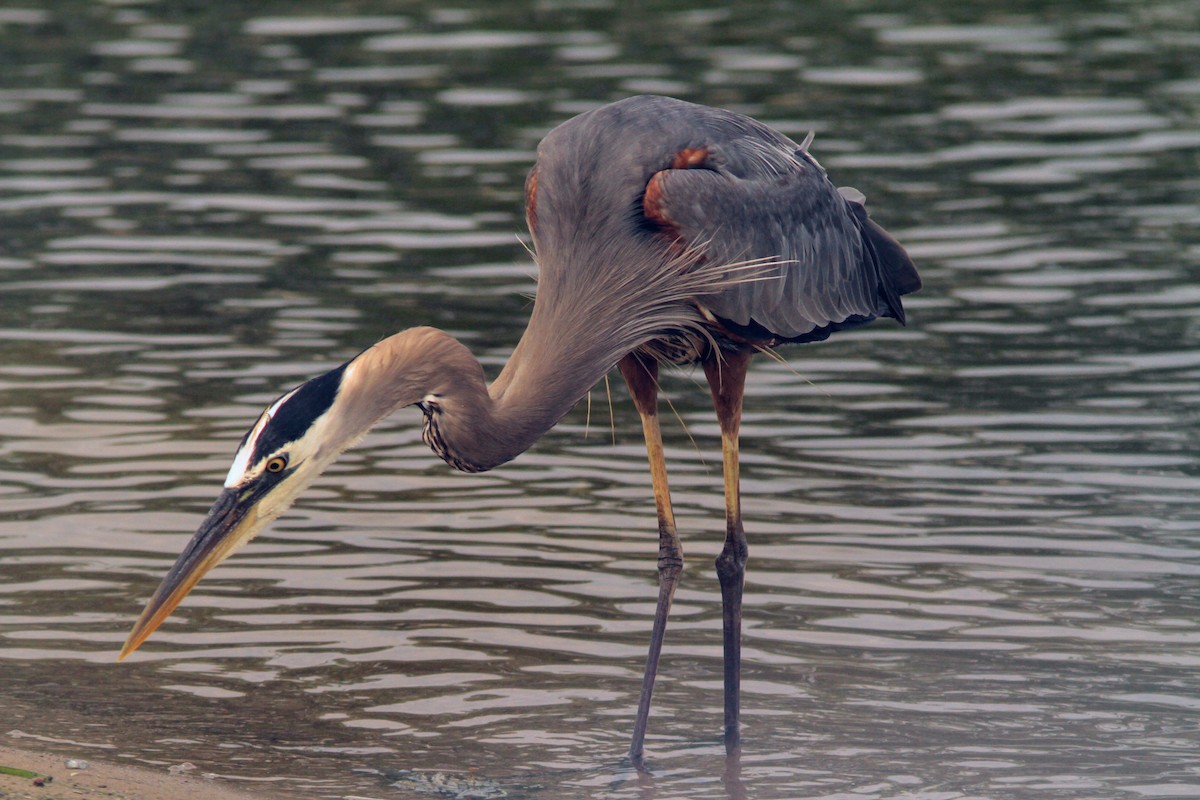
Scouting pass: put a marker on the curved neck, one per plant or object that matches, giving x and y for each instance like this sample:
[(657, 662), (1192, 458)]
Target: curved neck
[(582, 324), (472, 426)]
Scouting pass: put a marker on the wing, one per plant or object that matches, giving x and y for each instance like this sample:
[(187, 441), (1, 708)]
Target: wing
[(758, 195)]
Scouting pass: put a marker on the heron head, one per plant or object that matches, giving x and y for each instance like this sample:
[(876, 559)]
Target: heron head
[(302, 432), (290, 444)]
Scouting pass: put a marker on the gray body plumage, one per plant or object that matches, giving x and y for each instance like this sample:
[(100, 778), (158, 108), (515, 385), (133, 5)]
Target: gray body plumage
[(613, 279), (755, 195)]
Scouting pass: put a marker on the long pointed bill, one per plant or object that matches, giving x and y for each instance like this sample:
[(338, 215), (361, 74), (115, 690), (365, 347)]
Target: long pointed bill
[(231, 522)]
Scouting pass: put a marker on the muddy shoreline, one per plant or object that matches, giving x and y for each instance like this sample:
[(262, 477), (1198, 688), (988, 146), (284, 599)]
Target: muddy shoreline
[(107, 780)]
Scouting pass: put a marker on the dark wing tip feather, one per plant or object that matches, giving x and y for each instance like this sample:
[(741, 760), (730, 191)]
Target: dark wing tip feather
[(893, 259), (897, 273)]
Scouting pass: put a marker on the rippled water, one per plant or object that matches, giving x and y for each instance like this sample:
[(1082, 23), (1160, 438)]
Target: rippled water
[(974, 556)]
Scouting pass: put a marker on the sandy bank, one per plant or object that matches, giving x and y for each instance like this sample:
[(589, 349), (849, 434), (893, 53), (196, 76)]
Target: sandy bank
[(108, 781)]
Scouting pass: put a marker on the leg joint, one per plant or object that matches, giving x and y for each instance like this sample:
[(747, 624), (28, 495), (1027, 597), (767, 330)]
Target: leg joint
[(732, 560), (670, 555)]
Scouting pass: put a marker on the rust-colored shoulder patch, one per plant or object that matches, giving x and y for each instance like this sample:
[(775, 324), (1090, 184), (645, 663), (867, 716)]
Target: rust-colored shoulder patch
[(690, 158), (652, 200), (531, 181)]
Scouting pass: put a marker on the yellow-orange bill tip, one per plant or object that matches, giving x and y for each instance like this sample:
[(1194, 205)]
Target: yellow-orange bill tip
[(170, 594), (230, 523)]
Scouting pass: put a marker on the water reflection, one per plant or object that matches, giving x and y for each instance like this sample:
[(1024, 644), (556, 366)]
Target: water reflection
[(973, 540)]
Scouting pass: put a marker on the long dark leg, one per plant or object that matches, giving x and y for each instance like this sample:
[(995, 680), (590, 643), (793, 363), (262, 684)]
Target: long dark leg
[(642, 378), (727, 379)]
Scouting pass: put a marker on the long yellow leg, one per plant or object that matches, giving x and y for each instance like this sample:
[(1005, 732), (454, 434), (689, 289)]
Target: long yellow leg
[(727, 380), (642, 379)]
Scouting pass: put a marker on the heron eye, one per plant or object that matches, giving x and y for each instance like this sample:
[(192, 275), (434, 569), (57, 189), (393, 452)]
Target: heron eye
[(277, 464)]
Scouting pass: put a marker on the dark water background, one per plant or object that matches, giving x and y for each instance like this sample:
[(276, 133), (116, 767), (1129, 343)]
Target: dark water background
[(975, 566)]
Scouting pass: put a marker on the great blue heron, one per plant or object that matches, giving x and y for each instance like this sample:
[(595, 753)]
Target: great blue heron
[(664, 232)]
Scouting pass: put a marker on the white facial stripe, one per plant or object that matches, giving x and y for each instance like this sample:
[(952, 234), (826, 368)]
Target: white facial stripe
[(241, 462), (275, 406)]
